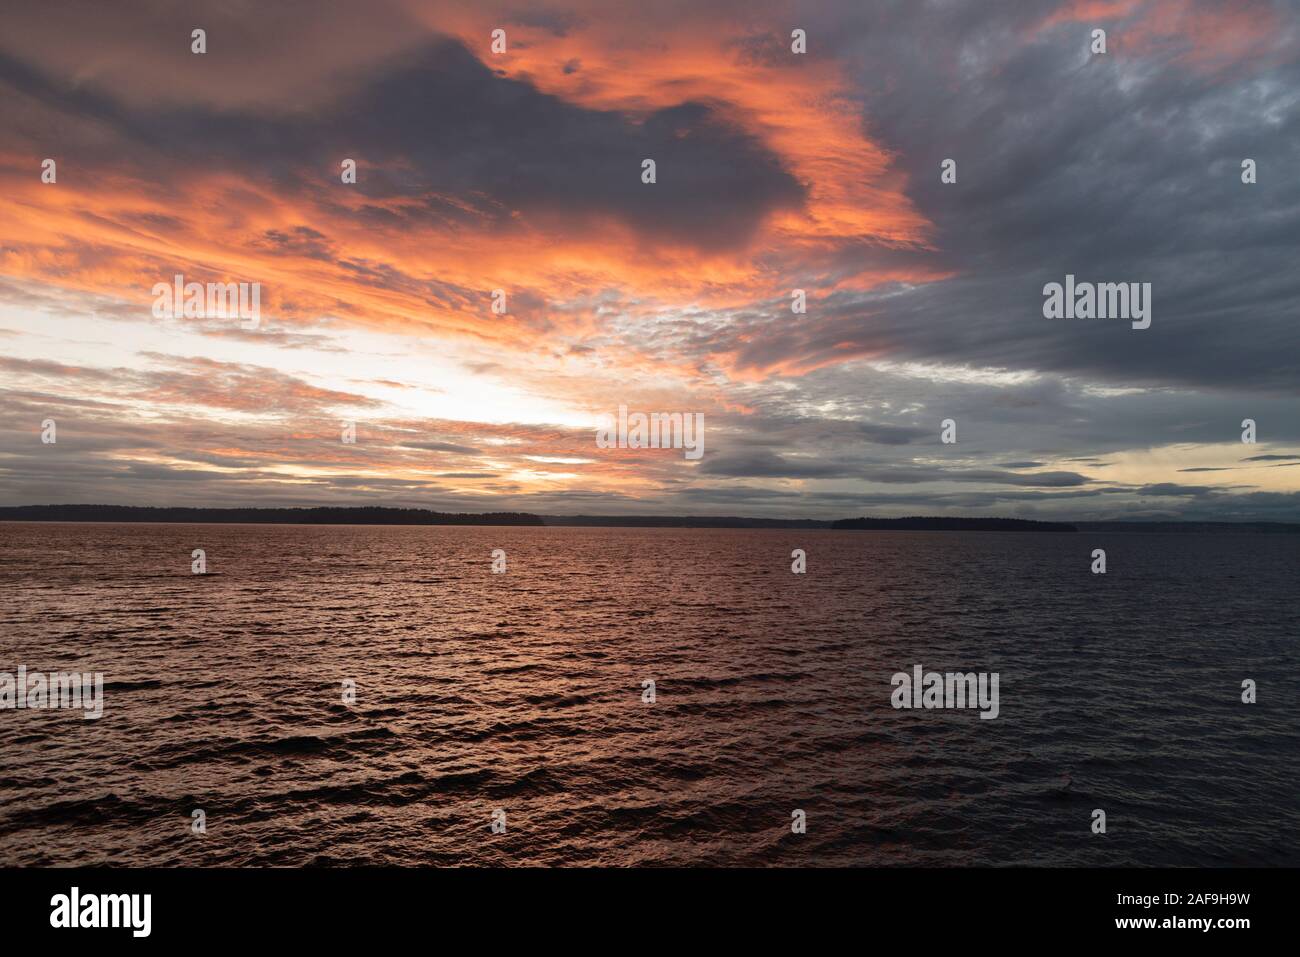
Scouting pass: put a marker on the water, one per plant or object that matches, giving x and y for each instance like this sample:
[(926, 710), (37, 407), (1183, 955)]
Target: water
[(522, 691)]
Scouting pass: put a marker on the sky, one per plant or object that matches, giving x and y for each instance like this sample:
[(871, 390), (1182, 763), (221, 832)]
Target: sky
[(521, 172)]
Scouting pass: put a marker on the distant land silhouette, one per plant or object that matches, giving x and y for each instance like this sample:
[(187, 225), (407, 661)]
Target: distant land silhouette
[(955, 524), (328, 515), (383, 515)]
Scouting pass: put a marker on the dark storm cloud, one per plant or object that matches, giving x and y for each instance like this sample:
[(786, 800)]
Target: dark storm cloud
[(478, 134), (438, 121), (774, 429), (905, 475), (1035, 479), (765, 464), (1118, 167), (1172, 488), (762, 463), (732, 494)]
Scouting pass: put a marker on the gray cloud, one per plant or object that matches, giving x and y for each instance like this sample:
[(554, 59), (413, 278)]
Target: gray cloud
[(436, 121), (1112, 168)]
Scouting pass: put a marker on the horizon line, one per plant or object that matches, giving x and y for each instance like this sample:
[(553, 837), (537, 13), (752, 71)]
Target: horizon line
[(109, 513)]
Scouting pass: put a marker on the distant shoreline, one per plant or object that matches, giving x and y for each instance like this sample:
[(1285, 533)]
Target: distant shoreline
[(373, 515), (381, 515)]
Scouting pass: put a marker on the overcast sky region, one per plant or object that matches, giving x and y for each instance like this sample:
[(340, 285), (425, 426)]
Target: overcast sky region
[(775, 171)]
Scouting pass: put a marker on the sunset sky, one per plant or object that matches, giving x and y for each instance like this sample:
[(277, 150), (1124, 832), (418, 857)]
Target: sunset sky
[(776, 171)]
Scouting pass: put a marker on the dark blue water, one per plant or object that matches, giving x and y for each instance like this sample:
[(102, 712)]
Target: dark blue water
[(522, 692)]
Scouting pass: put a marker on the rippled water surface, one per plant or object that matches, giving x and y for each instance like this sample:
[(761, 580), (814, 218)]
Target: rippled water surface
[(522, 691)]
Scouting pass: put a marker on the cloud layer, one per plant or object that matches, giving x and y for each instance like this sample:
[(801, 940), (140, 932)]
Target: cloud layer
[(519, 175)]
